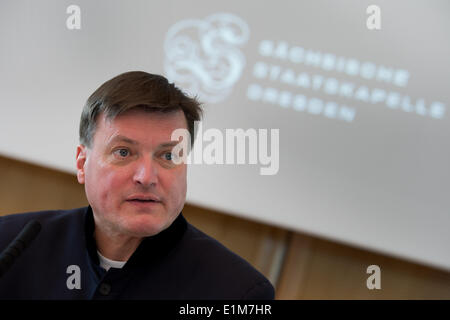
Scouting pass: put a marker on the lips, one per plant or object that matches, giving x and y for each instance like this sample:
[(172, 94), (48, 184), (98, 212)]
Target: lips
[(144, 198)]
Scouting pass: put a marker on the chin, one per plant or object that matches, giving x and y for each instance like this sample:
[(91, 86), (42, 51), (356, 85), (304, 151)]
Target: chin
[(148, 226)]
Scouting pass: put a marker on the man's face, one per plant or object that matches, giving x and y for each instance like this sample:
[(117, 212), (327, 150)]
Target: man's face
[(128, 164)]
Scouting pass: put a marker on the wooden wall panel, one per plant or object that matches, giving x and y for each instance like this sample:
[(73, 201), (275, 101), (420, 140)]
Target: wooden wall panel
[(26, 187), (321, 269)]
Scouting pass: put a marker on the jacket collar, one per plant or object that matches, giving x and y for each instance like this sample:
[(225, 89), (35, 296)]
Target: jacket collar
[(149, 249)]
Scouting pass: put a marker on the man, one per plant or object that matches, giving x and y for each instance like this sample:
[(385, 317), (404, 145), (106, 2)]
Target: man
[(131, 242)]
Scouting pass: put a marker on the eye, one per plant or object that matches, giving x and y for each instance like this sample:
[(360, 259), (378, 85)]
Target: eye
[(168, 156), (122, 152)]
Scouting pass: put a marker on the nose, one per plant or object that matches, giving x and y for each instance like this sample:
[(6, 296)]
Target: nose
[(146, 173)]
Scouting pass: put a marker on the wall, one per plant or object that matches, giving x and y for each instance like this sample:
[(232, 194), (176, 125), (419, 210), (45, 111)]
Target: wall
[(300, 266)]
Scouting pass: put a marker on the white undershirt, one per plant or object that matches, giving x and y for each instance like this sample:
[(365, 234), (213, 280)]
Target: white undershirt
[(106, 263)]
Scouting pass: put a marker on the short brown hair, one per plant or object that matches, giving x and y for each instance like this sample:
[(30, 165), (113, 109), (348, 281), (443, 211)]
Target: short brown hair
[(136, 89)]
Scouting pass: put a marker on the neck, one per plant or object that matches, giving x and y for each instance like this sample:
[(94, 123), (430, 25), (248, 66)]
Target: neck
[(117, 247)]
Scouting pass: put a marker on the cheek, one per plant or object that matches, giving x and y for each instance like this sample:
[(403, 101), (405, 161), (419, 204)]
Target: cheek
[(103, 184), (112, 182), (179, 187), (182, 191)]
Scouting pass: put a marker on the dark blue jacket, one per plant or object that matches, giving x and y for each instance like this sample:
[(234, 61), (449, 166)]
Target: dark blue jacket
[(181, 262)]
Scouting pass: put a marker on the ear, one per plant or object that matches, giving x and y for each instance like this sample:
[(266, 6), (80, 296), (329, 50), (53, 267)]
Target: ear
[(80, 161)]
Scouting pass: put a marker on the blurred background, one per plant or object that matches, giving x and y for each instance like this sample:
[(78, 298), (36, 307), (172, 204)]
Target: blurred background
[(358, 91)]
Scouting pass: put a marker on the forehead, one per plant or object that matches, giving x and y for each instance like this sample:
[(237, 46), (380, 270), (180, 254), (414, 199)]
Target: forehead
[(140, 125)]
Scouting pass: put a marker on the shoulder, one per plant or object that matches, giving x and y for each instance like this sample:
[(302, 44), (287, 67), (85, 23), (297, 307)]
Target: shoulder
[(51, 220), (220, 267), (45, 216)]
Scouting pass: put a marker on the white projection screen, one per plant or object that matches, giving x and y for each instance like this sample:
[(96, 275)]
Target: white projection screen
[(359, 95)]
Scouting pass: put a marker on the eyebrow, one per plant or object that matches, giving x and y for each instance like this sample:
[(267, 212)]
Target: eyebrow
[(121, 138)]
